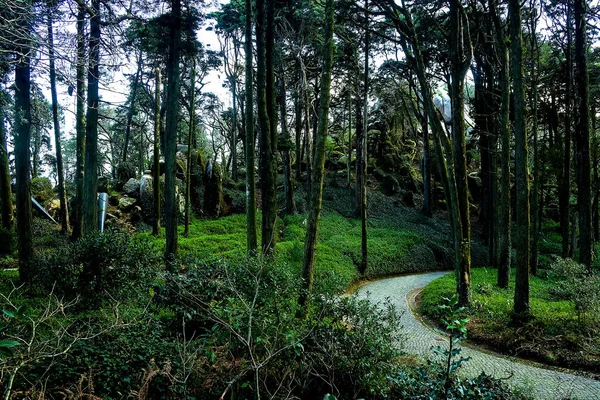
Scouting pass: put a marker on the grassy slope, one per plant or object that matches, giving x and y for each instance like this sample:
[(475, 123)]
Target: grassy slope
[(554, 336)]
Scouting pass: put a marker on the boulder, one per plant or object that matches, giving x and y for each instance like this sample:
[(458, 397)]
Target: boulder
[(147, 196), (132, 188), (126, 203), (125, 172)]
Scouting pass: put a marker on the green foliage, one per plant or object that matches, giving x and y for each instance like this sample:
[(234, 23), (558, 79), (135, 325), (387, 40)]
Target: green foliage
[(552, 335), (7, 241), (41, 189), (574, 283), (110, 263)]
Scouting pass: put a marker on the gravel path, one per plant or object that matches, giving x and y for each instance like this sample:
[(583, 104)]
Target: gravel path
[(543, 383)]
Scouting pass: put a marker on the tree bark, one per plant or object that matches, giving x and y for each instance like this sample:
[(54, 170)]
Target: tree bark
[(131, 109), (62, 195), (565, 192), (582, 138), (265, 92), (290, 204), (535, 198), (312, 230), (460, 56), (77, 214), (521, 304), (363, 160), (251, 239), (171, 207), (156, 177), (6, 201), (502, 260), (188, 177), (90, 187), (22, 149)]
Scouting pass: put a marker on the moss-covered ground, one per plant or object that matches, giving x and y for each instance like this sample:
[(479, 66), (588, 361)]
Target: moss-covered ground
[(555, 335)]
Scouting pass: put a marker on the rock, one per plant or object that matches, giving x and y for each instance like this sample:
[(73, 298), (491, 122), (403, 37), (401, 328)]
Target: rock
[(132, 187), (475, 185), (125, 172), (126, 203), (53, 208), (104, 184), (147, 196), (390, 185)]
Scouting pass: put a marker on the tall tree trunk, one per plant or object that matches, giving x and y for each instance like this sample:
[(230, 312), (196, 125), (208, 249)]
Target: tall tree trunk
[(426, 210), (502, 261), (265, 92), (131, 109), (290, 205), (349, 161), (565, 192), (77, 214), (6, 201), (156, 177), (188, 178), (363, 166), (234, 137), (298, 121), (596, 184), (251, 239), (22, 149), (307, 141), (521, 305), (582, 138), (312, 229), (535, 198), (62, 195), (171, 206), (90, 187), (460, 55)]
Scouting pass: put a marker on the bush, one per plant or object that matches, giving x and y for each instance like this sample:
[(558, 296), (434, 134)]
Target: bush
[(574, 283), (111, 262), (249, 314)]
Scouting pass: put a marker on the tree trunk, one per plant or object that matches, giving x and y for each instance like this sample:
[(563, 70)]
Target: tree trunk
[(64, 212), (521, 305), (251, 240), (502, 260), (156, 177), (307, 141), (265, 92), (188, 177), (349, 161), (426, 210), (5, 190), (298, 122), (131, 109), (582, 138), (171, 207), (565, 192), (312, 229), (77, 214), (22, 150), (90, 187), (363, 166), (460, 55), (535, 198), (290, 205)]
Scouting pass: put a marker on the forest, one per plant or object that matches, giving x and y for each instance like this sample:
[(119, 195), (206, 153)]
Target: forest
[(299, 199)]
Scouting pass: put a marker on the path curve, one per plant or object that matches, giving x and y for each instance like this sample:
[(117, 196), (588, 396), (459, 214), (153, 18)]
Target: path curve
[(543, 383)]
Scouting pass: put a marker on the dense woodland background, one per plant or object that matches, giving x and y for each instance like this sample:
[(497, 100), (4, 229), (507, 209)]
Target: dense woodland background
[(350, 140)]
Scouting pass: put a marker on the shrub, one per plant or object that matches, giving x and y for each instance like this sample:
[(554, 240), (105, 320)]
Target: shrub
[(41, 189), (111, 262)]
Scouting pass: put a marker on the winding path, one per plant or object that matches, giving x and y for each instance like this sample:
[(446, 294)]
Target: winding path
[(540, 382)]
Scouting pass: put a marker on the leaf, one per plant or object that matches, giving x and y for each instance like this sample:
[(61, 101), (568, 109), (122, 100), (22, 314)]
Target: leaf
[(8, 343), (8, 314)]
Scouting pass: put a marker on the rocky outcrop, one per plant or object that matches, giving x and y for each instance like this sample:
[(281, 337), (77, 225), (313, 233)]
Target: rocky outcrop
[(132, 188)]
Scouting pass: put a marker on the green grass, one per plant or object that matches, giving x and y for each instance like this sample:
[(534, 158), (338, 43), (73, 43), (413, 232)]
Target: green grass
[(551, 336), (392, 250)]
